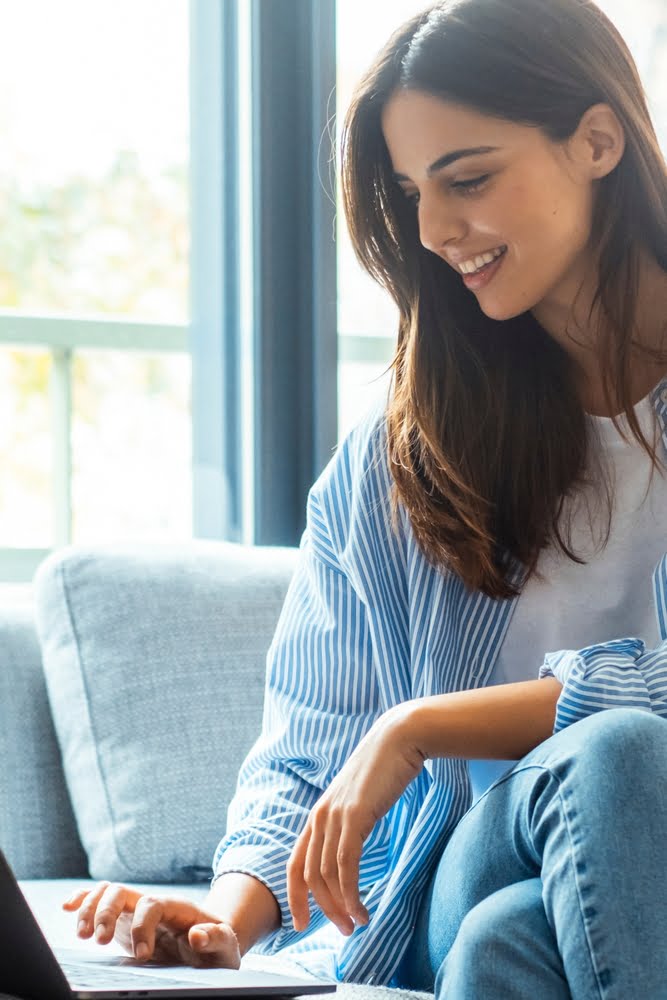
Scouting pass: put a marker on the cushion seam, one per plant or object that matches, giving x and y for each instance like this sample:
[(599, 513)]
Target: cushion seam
[(88, 706)]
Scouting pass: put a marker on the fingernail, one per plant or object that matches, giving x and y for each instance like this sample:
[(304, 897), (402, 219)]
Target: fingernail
[(100, 931), (141, 951), (82, 927), (202, 939)]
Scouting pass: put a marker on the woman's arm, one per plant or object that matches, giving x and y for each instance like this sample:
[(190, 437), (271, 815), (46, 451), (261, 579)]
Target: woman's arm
[(502, 722), (505, 721), (323, 693), (245, 904)]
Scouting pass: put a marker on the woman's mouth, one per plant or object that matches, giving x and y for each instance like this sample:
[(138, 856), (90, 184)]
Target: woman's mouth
[(483, 275)]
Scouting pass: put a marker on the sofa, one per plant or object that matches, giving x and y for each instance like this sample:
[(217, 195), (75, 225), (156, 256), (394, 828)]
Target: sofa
[(131, 688)]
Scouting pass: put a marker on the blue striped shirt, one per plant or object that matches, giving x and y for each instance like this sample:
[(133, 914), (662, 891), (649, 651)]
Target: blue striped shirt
[(368, 623)]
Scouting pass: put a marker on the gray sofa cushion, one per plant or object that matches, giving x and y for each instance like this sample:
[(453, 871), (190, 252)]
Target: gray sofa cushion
[(154, 659), (37, 827)]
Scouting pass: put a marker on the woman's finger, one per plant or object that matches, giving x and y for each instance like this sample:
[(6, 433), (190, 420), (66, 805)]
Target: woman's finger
[(75, 900), (114, 900), (147, 915), (329, 863), (88, 908), (297, 889), (214, 945), (318, 887), (350, 847)]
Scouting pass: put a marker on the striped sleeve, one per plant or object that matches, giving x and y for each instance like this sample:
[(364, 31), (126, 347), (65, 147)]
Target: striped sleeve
[(321, 697), (620, 673)]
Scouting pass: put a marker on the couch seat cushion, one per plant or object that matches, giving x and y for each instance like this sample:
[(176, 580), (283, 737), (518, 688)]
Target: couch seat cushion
[(45, 898)]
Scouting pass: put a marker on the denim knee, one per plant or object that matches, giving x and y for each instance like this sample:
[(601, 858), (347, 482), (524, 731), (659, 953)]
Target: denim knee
[(630, 739), (505, 914), (505, 933)]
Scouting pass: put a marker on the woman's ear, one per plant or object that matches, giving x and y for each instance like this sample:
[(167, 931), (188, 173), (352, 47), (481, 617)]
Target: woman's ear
[(600, 140)]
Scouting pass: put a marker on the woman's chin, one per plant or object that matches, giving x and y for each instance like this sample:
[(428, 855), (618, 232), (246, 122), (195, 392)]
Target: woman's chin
[(500, 311)]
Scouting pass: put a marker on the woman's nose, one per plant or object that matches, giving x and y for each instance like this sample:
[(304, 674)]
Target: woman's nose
[(439, 224)]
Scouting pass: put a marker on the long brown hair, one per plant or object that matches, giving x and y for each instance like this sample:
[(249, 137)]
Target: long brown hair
[(487, 434)]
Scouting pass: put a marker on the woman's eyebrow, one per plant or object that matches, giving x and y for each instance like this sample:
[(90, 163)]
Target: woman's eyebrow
[(448, 158)]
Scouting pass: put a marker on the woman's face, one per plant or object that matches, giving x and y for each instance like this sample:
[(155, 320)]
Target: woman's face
[(524, 194)]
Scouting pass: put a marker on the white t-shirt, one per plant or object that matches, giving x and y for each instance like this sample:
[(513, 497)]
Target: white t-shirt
[(611, 595)]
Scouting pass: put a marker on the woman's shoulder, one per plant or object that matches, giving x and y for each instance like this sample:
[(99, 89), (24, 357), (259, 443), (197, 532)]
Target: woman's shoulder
[(350, 508)]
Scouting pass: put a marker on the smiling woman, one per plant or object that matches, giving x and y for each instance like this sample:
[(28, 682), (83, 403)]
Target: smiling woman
[(503, 180), (525, 162), (367, 315)]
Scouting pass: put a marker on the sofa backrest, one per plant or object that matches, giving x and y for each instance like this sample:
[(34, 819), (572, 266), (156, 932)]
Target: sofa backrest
[(154, 660)]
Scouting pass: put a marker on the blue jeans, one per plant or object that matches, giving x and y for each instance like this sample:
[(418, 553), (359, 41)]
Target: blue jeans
[(554, 883)]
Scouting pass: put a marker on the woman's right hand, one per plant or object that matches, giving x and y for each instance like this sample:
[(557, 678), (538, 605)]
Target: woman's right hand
[(149, 927)]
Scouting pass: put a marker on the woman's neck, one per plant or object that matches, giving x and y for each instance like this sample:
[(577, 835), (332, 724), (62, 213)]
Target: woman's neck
[(573, 328)]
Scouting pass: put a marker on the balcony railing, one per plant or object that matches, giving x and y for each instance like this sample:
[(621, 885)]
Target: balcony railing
[(62, 336)]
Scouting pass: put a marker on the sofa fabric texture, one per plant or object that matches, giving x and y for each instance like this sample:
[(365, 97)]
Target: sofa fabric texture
[(154, 660), (37, 827)]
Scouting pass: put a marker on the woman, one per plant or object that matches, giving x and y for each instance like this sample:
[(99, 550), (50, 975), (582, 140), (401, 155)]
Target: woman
[(477, 554)]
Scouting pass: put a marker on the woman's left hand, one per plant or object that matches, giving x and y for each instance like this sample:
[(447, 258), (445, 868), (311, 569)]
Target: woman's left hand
[(326, 857)]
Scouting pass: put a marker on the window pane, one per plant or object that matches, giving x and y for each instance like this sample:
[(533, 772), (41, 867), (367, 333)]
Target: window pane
[(93, 176), (131, 447), (359, 386), (26, 507), (94, 122), (643, 25), (364, 310)]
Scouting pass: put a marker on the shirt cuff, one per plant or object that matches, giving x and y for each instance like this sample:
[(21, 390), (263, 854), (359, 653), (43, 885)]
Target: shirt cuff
[(596, 678)]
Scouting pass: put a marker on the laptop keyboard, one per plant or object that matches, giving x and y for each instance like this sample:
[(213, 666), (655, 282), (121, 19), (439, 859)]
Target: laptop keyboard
[(104, 977)]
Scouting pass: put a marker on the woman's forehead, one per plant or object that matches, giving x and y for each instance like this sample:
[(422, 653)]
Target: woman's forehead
[(422, 128)]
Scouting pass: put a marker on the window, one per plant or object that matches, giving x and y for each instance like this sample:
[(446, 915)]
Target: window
[(97, 347), (367, 318), (94, 366)]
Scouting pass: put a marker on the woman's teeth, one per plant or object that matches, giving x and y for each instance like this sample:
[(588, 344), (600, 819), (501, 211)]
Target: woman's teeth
[(476, 263)]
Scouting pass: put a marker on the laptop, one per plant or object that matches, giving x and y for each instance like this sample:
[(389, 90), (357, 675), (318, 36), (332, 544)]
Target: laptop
[(29, 968)]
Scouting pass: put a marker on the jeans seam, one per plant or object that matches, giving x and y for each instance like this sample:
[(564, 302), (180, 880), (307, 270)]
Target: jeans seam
[(573, 854)]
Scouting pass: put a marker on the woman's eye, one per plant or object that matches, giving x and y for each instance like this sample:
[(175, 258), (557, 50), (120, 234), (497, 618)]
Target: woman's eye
[(463, 187), (472, 185)]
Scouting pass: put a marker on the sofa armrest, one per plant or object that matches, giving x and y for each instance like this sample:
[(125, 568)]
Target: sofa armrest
[(37, 828)]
